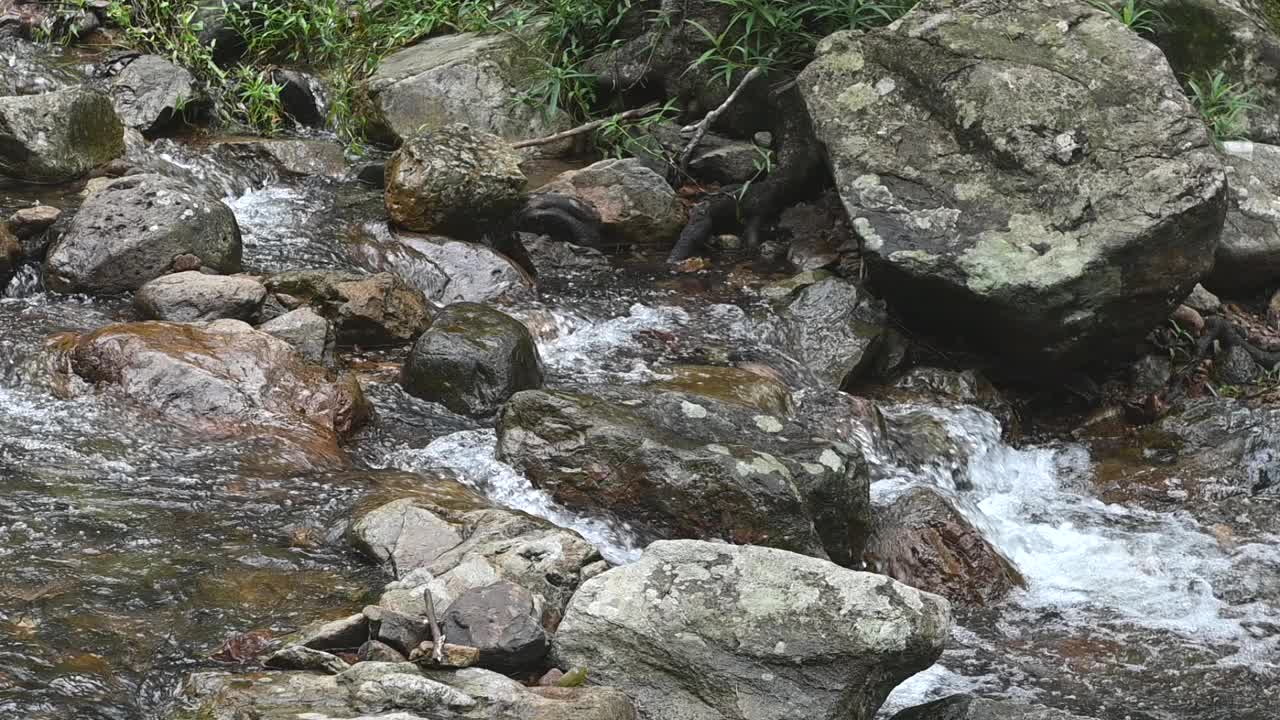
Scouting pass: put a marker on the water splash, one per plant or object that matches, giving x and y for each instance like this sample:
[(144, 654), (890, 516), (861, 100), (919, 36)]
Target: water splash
[(586, 350)]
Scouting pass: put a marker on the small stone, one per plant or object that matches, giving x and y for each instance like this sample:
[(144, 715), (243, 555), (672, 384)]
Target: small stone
[(1150, 373), (1235, 366), (186, 263), (1189, 320), (1202, 300), (395, 629), (764, 138), (301, 657), (502, 620), (453, 656), (33, 220), (375, 651), (551, 678), (347, 632), (593, 570)]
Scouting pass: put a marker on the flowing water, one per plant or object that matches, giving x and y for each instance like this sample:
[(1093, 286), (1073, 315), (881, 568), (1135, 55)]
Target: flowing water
[(130, 551)]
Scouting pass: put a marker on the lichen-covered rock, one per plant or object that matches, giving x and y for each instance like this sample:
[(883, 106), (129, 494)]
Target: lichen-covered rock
[(466, 78), (1028, 178), (132, 230), (472, 359), (718, 632), (225, 380), (834, 328), (193, 296), (679, 466), (1248, 256), (455, 181), (366, 310), (151, 92), (636, 205), (58, 136), (921, 540)]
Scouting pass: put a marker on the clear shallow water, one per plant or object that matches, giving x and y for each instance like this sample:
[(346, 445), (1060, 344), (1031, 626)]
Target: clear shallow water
[(129, 551)]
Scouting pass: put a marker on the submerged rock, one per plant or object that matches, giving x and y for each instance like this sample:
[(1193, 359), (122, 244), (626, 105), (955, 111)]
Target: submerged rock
[(58, 136), (704, 630), (151, 92), (472, 359), (224, 380), (636, 205), (366, 310), (132, 231), (193, 297), (455, 181), (732, 385), (1001, 211), (466, 78)]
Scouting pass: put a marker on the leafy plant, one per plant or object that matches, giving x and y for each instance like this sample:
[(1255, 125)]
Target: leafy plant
[(258, 99), (1139, 16), (1223, 105)]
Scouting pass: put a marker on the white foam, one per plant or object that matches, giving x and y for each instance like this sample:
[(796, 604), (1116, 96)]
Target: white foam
[(590, 350)]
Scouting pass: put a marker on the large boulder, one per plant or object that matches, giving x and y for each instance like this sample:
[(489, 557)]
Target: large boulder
[(672, 465), (193, 296), (454, 180), (718, 632), (58, 136), (1028, 177), (467, 78), (636, 205), (1248, 257), (366, 310), (224, 380), (1235, 37), (151, 92), (923, 541), (132, 230), (472, 359)]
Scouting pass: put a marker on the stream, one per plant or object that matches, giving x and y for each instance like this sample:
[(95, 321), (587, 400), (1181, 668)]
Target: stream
[(129, 551)]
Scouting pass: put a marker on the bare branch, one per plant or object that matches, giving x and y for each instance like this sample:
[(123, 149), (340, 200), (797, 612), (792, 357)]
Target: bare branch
[(588, 127), (700, 130)]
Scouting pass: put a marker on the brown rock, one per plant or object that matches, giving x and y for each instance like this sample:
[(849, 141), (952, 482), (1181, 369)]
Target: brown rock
[(10, 255), (454, 656), (551, 678), (186, 263), (33, 220), (1190, 320)]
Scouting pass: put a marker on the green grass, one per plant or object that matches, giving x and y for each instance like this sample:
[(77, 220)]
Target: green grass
[(1140, 16), (1223, 105)]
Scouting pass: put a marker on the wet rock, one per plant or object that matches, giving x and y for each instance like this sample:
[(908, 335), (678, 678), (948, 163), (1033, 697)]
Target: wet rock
[(556, 259), (302, 96), (502, 621), (777, 635), (366, 310), (296, 157), (396, 629), (1217, 448), (818, 232), (341, 634), (922, 441), (405, 533), (306, 331), (301, 657), (1188, 319), (466, 78), (28, 68), (991, 238), (194, 297), (921, 540), (454, 181), (451, 656), (446, 271), (130, 232), (833, 327), (499, 545), (10, 256), (732, 385), (603, 456), (967, 707), (31, 221), (151, 92), (1236, 37), (636, 205), (1150, 373), (1202, 300), (472, 359), (225, 380), (377, 651), (1235, 366), (57, 136)]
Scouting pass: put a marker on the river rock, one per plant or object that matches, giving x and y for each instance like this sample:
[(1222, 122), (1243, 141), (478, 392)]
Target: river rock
[(502, 621), (28, 222), (835, 328), (224, 380), (967, 707), (1215, 448), (341, 634), (466, 78), (472, 359), (1235, 366), (151, 92), (673, 465), (1018, 233), (445, 270), (405, 533), (921, 540), (58, 136), (291, 156), (1203, 301), (1248, 256), (10, 256), (749, 633), (636, 205), (303, 96), (366, 310), (301, 657), (193, 297), (132, 230), (305, 330), (732, 385), (558, 259), (30, 70), (377, 651), (398, 630), (455, 181)]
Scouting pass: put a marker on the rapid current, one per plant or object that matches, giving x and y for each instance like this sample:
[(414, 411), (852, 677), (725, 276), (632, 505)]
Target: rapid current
[(129, 551)]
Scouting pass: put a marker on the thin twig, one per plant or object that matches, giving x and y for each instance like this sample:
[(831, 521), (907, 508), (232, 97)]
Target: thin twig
[(437, 638), (700, 130), (588, 127)]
